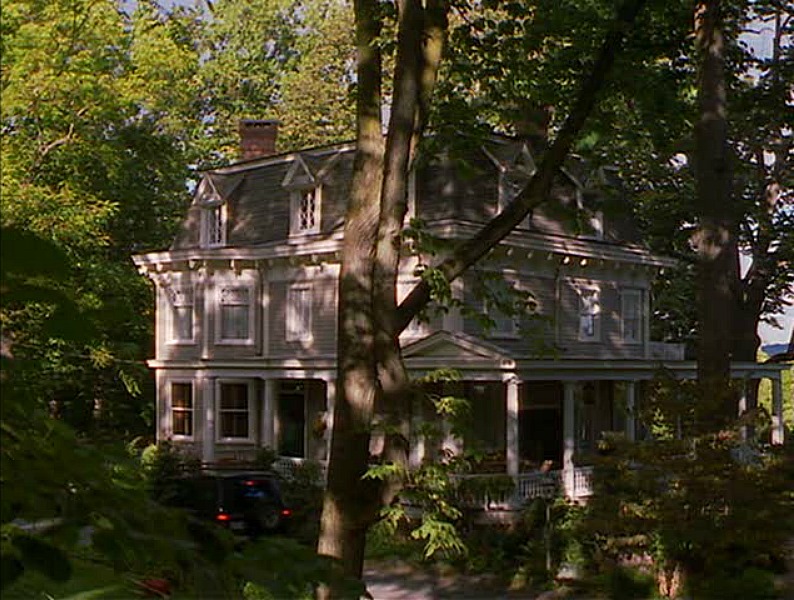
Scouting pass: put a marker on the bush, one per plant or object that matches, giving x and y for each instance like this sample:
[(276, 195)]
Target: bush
[(161, 464), (706, 506)]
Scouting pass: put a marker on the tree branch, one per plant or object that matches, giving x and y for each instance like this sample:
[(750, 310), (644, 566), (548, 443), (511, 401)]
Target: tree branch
[(470, 251)]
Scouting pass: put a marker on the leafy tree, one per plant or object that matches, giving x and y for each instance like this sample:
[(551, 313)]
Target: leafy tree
[(287, 59), (713, 512), (93, 159)]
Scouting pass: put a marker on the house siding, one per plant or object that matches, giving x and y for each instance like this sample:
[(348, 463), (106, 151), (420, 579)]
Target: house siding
[(544, 261)]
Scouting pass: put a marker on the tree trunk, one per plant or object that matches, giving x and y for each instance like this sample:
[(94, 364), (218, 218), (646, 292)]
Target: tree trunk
[(344, 518), (369, 359), (716, 235)]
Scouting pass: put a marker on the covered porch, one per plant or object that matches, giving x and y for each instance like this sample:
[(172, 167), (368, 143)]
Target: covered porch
[(539, 421)]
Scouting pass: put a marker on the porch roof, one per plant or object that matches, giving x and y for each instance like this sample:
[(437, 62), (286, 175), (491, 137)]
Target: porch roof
[(480, 360)]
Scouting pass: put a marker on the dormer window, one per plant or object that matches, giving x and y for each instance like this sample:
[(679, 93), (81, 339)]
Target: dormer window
[(214, 226), (305, 198), (305, 211), (212, 197), (514, 175)]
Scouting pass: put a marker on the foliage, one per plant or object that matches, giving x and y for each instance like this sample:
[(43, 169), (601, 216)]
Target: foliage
[(787, 386), (303, 493), (92, 160), (289, 60), (700, 501), (161, 464)]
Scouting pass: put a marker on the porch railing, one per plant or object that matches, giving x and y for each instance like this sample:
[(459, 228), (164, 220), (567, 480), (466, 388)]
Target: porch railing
[(529, 486)]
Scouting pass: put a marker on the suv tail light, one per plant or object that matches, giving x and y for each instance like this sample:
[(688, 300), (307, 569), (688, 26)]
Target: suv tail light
[(286, 512), (222, 517)]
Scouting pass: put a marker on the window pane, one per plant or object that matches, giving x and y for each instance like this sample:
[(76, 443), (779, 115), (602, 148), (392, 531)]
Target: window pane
[(234, 396), (183, 422), (632, 316), (182, 408), (587, 325), (234, 313), (307, 210), (182, 323), (234, 322), (589, 310), (299, 313), (234, 424), (181, 395), (215, 225)]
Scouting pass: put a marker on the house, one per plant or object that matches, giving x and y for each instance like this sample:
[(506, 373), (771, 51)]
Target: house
[(246, 309)]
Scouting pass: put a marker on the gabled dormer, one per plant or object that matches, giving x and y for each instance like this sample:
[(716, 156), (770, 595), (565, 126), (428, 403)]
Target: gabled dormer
[(515, 167), (304, 180), (212, 200)]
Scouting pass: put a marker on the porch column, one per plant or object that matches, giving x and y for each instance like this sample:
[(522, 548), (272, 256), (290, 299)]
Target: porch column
[(208, 434), (631, 419), (777, 411), (511, 433), (330, 402), (416, 453), (268, 438), (569, 436), (744, 405)]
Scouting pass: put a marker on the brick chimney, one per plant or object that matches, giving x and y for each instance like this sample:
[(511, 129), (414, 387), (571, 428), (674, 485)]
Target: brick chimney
[(257, 138)]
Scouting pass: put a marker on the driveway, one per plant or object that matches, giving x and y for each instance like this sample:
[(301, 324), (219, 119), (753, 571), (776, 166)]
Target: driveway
[(401, 581)]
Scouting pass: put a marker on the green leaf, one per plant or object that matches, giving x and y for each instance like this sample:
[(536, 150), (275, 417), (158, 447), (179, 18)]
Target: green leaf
[(44, 557)]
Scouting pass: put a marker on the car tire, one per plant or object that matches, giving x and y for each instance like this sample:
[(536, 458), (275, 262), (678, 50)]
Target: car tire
[(269, 518)]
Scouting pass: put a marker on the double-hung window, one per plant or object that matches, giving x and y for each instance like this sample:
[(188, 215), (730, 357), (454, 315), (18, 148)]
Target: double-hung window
[(182, 409), (631, 316), (589, 314), (235, 314), (234, 410), (180, 314), (299, 313)]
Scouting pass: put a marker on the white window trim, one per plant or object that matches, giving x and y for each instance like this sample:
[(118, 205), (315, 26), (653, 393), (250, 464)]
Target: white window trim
[(170, 408), (415, 328), (595, 219), (207, 211), (222, 284), (252, 416), (291, 332), (597, 321), (638, 295), (170, 339), (296, 196)]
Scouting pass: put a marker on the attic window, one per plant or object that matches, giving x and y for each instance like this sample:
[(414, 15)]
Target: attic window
[(305, 197), (213, 227), (514, 174), (305, 210)]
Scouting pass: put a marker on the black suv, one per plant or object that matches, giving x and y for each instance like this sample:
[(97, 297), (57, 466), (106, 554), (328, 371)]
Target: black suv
[(246, 502)]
